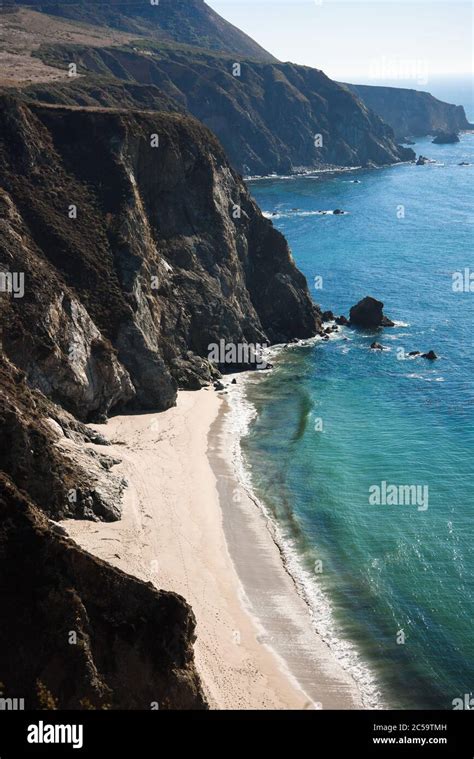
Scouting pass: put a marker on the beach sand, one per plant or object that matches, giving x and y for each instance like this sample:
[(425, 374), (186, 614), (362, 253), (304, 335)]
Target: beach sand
[(188, 526)]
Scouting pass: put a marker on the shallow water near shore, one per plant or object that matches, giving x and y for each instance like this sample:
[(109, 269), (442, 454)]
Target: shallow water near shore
[(333, 421)]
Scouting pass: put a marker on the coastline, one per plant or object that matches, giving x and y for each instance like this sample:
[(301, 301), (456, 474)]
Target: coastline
[(184, 529)]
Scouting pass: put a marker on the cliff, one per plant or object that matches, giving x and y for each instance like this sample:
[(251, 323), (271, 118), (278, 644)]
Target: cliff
[(165, 254), (411, 113), (181, 56), (79, 634), (127, 246), (268, 117)]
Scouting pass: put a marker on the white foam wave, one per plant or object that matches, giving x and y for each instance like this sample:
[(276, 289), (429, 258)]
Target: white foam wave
[(291, 214)]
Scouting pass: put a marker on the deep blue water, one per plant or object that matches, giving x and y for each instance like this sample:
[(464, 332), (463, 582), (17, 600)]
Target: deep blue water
[(385, 568)]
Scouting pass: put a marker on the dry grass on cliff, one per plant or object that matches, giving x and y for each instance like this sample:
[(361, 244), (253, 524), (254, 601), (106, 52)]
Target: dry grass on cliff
[(22, 32)]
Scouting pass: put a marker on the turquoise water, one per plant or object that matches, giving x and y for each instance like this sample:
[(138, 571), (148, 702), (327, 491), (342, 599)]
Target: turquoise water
[(385, 568)]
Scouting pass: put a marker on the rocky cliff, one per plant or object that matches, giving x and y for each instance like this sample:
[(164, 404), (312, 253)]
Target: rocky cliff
[(268, 117), (411, 113), (127, 246), (139, 247), (79, 634)]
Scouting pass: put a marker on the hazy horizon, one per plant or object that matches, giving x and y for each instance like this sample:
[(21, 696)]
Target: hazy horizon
[(376, 42)]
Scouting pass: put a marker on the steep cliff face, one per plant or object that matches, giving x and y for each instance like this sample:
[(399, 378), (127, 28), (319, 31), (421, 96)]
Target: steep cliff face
[(268, 117), (79, 634), (51, 456), (411, 113), (191, 22), (139, 247), (127, 246)]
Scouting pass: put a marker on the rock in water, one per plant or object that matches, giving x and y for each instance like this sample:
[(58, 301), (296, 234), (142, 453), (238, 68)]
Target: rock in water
[(327, 316), (431, 356), (343, 321), (368, 314), (377, 347), (445, 138)]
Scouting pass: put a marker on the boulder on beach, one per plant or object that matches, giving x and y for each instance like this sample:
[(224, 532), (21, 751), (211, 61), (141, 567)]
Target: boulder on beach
[(446, 138), (368, 314)]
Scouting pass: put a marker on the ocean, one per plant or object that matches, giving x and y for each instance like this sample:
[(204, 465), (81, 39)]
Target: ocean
[(335, 424)]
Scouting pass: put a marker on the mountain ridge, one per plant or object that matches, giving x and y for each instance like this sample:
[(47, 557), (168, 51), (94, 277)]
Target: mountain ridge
[(187, 21)]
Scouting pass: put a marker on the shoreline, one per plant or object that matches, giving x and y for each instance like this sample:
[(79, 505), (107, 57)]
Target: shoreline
[(182, 530), (317, 604)]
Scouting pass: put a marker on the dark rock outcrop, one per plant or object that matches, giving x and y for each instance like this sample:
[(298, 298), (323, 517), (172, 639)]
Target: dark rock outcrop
[(165, 255), (431, 356), (411, 112), (368, 314), (77, 633), (446, 138), (327, 316)]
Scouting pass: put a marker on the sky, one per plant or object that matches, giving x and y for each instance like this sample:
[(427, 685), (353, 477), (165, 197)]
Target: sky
[(374, 42)]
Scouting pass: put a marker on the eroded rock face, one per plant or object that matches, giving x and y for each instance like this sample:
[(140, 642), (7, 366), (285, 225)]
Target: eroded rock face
[(272, 117), (127, 646), (139, 247), (120, 263), (368, 314), (48, 454), (411, 112)]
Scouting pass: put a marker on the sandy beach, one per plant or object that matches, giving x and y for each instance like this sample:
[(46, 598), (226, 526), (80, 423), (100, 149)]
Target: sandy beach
[(188, 526)]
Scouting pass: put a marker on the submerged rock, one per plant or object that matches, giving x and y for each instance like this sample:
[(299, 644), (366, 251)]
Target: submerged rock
[(368, 314)]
